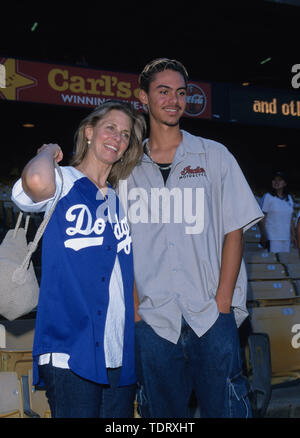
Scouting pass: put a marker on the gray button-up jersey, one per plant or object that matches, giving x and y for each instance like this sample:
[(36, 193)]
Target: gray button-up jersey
[(178, 231)]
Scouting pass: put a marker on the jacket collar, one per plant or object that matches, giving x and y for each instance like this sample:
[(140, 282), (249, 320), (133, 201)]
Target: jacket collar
[(189, 144)]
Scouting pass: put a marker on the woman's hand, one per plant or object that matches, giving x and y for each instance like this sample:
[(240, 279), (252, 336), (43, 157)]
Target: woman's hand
[(54, 149)]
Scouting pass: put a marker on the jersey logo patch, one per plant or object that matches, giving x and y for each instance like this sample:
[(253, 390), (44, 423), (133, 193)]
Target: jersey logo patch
[(188, 172), (81, 217)]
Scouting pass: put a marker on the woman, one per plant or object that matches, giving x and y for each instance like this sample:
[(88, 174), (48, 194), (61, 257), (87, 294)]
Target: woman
[(277, 227), (85, 324)]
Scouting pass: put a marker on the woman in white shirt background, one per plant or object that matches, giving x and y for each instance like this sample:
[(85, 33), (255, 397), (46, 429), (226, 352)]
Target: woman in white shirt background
[(277, 227)]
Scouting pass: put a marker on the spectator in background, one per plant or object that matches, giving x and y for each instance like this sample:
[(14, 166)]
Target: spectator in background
[(277, 227)]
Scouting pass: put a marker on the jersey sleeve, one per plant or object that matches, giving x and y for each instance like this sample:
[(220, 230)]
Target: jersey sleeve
[(240, 207), (25, 203)]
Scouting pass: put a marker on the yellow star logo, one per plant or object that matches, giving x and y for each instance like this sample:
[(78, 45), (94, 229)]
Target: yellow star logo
[(15, 81)]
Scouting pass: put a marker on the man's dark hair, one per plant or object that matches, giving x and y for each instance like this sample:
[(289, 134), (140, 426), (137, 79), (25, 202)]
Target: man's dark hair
[(159, 65)]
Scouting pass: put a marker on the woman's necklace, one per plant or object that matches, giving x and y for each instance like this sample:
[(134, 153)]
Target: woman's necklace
[(103, 194), (94, 182), (160, 165), (99, 188)]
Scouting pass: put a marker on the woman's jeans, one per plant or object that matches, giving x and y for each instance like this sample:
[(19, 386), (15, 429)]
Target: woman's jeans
[(71, 396), (209, 365)]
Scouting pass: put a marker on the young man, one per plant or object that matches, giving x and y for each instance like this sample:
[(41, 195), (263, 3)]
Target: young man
[(188, 203)]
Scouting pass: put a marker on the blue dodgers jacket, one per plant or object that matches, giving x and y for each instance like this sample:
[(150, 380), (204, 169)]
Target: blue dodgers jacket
[(79, 249)]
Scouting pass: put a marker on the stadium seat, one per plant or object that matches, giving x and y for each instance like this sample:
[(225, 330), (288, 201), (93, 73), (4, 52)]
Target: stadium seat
[(19, 333), (297, 286), (260, 256), (19, 361), (289, 257), (265, 271), (11, 403), (293, 270), (16, 353), (268, 290), (252, 246), (281, 323), (252, 234)]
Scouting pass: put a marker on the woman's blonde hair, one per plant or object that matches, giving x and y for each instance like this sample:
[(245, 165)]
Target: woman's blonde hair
[(122, 168)]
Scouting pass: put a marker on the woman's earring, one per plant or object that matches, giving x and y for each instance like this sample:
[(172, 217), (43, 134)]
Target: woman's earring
[(88, 142)]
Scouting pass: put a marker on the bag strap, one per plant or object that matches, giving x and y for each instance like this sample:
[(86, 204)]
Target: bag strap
[(18, 223), (33, 245)]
